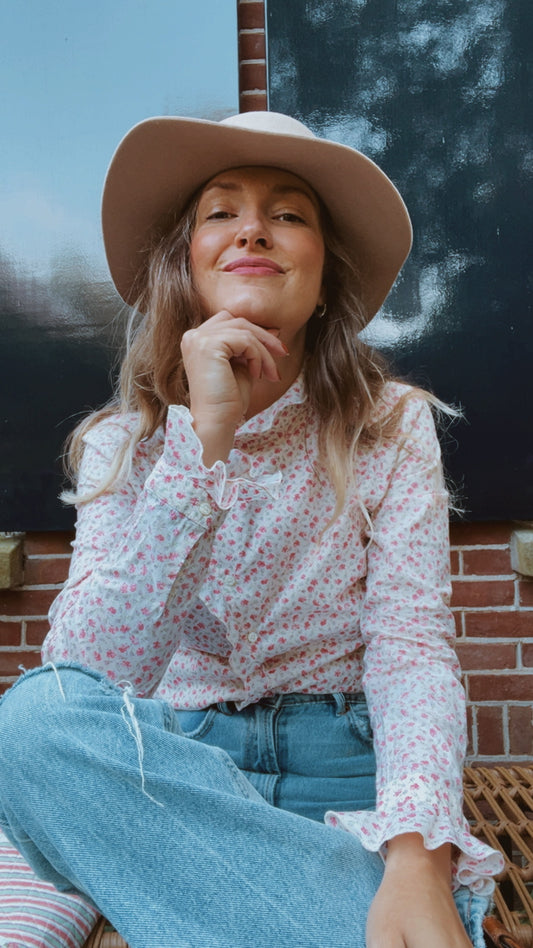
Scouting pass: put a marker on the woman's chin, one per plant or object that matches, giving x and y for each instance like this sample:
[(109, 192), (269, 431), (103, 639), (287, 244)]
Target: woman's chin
[(259, 315)]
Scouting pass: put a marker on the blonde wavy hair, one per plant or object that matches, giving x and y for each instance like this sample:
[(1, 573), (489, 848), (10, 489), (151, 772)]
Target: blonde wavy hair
[(344, 378)]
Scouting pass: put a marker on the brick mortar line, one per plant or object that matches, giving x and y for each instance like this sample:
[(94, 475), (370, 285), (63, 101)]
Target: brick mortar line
[(43, 587), (484, 609), (25, 618), (253, 62), (18, 649), (493, 640), (513, 703), (502, 672), (47, 556), (252, 31), (479, 546), (505, 731), (479, 577), (505, 758), (474, 732)]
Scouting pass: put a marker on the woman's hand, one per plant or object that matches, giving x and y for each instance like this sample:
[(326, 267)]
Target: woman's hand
[(413, 907), (223, 358)]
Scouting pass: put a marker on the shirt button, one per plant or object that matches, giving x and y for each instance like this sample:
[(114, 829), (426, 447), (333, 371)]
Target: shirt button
[(230, 581), (252, 637), (204, 509)]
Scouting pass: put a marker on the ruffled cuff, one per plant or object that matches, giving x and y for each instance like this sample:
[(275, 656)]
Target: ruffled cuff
[(438, 821), (181, 468)]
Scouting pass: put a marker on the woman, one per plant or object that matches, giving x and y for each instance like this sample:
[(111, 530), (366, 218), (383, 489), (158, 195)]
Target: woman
[(260, 563)]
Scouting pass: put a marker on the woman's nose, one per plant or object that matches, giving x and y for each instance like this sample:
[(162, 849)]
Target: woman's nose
[(253, 231)]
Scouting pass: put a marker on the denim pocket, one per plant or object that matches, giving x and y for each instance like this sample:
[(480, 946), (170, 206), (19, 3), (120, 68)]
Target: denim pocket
[(196, 724), (359, 721)]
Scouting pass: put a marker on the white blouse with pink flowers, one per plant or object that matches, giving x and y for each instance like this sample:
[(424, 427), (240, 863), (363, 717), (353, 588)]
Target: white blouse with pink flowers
[(204, 585)]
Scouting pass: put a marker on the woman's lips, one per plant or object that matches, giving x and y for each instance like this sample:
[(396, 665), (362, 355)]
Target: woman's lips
[(257, 266)]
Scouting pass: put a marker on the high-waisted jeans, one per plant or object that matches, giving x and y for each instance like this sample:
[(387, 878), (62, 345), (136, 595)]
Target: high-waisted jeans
[(192, 829)]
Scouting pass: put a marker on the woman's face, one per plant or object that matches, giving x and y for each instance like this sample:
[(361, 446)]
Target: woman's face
[(257, 248)]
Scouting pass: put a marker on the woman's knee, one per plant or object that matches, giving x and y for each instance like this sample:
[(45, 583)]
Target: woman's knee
[(33, 710)]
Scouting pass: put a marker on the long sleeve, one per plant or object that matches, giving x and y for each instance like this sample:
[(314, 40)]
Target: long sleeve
[(411, 674), (137, 547)]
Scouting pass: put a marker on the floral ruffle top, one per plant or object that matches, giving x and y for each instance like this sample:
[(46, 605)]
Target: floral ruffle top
[(230, 583)]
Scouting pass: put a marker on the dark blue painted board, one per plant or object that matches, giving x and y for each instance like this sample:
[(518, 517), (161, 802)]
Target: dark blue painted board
[(438, 92)]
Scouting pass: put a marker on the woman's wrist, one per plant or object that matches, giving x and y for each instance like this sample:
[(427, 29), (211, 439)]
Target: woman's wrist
[(407, 852), (217, 440)]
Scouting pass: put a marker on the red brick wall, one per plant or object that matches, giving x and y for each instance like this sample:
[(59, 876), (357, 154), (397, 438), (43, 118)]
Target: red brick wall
[(23, 611), (493, 606), (493, 609)]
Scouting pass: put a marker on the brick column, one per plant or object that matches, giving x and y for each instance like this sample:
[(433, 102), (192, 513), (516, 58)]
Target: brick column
[(252, 56)]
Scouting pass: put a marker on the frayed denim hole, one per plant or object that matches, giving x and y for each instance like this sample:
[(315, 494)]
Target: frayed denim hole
[(128, 713), (21, 680), (109, 687), (55, 668)]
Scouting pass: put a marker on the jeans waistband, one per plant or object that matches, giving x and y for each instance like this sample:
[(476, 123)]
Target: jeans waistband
[(342, 701)]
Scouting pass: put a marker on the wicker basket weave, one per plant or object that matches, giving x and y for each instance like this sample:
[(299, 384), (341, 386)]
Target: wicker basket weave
[(103, 936), (499, 807)]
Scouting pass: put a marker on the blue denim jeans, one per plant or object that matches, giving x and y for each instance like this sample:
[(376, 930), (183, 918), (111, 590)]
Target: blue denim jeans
[(106, 794), (192, 829)]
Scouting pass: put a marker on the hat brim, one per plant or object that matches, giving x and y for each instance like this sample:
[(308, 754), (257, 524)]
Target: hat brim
[(161, 162)]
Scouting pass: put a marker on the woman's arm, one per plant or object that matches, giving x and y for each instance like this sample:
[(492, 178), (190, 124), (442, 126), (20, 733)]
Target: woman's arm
[(417, 701), (140, 554), (412, 680), (142, 549)]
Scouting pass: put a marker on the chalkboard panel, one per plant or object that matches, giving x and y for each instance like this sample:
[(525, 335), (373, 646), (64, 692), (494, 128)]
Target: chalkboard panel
[(439, 94)]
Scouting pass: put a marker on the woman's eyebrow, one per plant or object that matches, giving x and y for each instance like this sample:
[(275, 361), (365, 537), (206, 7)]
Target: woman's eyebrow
[(279, 189), (287, 189), (222, 185), (292, 189)]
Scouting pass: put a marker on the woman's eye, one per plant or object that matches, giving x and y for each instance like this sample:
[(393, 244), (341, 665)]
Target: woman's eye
[(218, 215), (291, 217)]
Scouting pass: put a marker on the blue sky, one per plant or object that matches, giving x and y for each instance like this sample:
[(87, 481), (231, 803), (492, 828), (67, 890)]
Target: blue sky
[(75, 76)]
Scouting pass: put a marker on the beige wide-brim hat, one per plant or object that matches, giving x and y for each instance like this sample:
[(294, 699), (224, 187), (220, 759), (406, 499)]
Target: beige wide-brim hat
[(161, 162)]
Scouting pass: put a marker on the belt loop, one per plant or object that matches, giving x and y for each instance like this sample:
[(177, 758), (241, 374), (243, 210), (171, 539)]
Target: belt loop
[(341, 704), (225, 707)]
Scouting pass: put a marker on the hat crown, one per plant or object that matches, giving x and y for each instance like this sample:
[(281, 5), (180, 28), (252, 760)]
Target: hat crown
[(274, 122)]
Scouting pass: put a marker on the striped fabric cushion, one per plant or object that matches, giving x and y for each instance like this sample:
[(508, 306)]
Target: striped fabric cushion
[(33, 914)]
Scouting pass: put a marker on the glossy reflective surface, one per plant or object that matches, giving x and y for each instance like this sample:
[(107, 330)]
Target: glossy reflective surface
[(75, 77), (438, 92)]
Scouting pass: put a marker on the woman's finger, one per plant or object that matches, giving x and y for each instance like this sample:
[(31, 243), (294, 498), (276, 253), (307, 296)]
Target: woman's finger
[(268, 336)]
